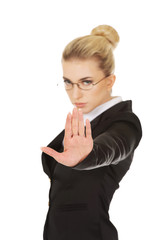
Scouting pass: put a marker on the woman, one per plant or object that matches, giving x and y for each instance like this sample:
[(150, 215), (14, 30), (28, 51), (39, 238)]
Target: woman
[(88, 159)]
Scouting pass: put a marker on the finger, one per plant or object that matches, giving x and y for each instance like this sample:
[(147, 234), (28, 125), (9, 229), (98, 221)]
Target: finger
[(75, 122), (68, 128), (62, 158), (80, 123), (88, 129), (51, 152)]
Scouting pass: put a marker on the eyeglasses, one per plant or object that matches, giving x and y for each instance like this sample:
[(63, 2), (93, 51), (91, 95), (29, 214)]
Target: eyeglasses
[(84, 84)]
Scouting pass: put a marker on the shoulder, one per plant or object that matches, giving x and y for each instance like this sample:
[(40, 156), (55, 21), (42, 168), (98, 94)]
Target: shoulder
[(120, 112), (118, 116), (123, 113)]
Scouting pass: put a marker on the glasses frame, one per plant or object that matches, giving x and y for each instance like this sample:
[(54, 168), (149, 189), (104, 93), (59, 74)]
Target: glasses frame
[(93, 84)]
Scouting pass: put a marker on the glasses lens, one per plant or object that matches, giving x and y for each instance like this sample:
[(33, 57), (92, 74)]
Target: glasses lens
[(82, 85), (86, 85)]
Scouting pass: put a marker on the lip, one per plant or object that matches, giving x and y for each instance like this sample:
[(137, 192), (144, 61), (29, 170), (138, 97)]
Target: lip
[(80, 105)]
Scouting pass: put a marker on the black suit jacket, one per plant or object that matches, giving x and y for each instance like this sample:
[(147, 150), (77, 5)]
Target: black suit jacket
[(80, 196)]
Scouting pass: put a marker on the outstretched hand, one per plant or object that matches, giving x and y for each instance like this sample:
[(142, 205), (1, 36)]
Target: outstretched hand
[(77, 144)]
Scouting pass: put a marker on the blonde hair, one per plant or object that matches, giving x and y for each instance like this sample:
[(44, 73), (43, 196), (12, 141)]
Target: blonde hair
[(99, 44)]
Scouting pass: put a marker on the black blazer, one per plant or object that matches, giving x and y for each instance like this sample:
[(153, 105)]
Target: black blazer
[(80, 196)]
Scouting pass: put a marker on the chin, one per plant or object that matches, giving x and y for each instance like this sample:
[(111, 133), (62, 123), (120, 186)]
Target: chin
[(85, 111)]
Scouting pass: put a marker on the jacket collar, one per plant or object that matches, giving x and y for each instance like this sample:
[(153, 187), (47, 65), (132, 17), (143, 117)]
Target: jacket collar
[(108, 114)]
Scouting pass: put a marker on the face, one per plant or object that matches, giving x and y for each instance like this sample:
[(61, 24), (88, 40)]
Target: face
[(74, 71)]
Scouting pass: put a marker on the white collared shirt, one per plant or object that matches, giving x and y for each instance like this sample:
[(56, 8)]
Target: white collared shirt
[(101, 108)]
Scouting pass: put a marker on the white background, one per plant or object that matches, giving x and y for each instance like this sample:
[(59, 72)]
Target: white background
[(33, 35)]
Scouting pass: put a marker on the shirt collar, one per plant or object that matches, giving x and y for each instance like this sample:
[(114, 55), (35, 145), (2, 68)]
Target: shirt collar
[(101, 108)]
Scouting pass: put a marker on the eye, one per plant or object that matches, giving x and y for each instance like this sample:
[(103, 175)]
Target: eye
[(86, 82), (67, 82)]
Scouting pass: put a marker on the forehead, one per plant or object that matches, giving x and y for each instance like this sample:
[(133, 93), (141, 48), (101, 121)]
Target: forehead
[(77, 69)]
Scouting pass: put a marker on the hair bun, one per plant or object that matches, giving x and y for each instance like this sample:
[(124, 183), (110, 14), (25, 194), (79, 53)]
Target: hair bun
[(108, 32)]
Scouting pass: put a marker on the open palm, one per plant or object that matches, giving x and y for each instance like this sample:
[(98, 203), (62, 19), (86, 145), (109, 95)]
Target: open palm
[(77, 144)]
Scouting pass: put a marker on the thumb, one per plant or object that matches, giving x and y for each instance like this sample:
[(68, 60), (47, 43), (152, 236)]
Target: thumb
[(51, 152)]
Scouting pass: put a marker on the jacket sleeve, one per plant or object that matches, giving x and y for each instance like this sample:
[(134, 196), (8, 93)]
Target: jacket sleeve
[(48, 162), (112, 146)]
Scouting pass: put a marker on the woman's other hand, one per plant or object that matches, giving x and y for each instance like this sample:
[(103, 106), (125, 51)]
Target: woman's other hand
[(77, 144)]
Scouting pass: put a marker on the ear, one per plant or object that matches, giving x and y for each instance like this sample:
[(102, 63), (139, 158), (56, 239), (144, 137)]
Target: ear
[(110, 81)]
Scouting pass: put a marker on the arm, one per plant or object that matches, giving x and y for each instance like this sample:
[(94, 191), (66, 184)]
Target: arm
[(112, 146)]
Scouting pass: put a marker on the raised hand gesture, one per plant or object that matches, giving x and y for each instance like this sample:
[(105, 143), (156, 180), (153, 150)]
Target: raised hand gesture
[(77, 144)]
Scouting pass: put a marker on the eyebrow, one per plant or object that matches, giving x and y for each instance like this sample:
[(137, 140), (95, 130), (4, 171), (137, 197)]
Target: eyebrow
[(78, 80)]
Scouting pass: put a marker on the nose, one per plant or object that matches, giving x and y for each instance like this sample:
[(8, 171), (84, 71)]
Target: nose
[(76, 92)]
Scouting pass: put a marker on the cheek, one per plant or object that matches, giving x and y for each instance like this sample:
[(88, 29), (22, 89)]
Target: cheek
[(96, 93), (93, 98)]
